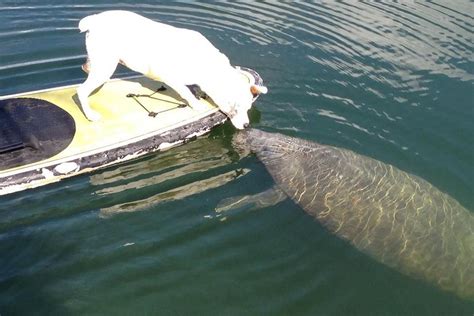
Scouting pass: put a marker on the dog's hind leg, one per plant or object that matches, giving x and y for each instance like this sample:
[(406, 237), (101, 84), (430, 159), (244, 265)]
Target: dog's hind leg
[(99, 72)]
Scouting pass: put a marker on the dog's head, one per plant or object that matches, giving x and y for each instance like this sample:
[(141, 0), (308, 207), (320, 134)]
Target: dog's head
[(245, 94)]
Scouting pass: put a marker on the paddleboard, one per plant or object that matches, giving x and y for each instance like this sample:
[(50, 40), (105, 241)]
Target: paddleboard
[(45, 137)]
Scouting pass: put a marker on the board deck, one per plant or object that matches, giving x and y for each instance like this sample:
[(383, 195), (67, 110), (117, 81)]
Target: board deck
[(137, 118)]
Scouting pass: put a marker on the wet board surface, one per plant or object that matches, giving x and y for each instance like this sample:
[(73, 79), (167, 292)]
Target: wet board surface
[(44, 136)]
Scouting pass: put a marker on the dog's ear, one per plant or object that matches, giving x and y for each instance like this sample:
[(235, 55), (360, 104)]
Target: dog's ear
[(256, 90)]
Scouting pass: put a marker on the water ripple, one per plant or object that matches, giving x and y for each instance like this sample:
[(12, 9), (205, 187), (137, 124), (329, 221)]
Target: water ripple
[(43, 61)]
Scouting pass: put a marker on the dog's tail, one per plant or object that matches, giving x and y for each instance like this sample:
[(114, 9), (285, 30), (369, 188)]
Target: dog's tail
[(87, 23)]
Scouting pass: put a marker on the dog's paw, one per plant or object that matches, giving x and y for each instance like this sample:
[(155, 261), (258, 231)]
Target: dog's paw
[(93, 116)]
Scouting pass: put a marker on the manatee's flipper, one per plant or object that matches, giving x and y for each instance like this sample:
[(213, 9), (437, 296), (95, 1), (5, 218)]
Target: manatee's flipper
[(264, 199)]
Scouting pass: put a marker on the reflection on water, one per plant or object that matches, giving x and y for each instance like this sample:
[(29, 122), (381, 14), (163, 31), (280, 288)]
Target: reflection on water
[(171, 170), (173, 194), (195, 157)]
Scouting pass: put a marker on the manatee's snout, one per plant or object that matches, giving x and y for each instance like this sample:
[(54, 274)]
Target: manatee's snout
[(240, 142), (252, 140)]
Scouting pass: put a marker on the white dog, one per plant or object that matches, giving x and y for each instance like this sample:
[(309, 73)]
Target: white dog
[(175, 56)]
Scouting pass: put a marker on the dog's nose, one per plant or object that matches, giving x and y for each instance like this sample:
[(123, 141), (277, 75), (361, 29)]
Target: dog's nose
[(246, 125)]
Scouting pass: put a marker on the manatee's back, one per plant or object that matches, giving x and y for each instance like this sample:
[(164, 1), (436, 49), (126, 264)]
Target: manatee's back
[(399, 219)]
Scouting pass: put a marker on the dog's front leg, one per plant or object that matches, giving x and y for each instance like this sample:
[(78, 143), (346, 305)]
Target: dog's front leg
[(185, 94)]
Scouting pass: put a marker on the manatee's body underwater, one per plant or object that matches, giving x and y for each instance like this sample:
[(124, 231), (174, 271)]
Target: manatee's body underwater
[(397, 218)]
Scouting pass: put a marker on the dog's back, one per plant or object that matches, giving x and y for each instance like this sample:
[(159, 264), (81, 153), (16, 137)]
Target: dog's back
[(115, 19), (138, 41)]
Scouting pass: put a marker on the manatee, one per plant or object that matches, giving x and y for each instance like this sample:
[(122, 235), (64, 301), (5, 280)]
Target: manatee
[(396, 218)]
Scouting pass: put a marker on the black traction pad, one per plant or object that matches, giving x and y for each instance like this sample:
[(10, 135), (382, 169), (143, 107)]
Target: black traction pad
[(32, 130)]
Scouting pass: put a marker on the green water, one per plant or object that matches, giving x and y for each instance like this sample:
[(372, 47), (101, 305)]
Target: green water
[(390, 81)]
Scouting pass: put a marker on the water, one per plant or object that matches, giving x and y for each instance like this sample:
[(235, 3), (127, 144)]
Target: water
[(390, 81)]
